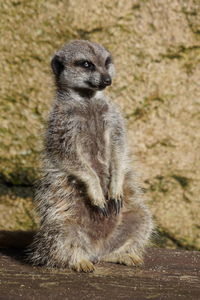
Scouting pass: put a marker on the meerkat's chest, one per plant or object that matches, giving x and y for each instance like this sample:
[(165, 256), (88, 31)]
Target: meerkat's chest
[(93, 125)]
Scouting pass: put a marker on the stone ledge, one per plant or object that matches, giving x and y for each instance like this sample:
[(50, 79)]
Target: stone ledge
[(166, 274)]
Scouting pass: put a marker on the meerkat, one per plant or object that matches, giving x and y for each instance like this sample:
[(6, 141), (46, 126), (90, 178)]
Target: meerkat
[(90, 205)]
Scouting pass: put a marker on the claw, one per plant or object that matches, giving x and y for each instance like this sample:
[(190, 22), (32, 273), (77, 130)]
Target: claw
[(117, 205), (121, 201), (103, 210)]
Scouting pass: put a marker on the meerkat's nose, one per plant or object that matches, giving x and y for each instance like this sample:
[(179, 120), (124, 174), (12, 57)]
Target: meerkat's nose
[(106, 80)]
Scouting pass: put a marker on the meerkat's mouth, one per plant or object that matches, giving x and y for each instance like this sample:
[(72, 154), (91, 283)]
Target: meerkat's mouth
[(100, 86)]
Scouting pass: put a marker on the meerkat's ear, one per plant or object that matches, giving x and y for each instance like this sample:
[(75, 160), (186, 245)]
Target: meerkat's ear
[(57, 65)]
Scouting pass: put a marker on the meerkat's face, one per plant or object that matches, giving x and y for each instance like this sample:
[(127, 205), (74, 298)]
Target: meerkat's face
[(83, 65)]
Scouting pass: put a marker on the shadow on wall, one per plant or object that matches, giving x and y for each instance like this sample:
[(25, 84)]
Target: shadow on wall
[(18, 184), (15, 243)]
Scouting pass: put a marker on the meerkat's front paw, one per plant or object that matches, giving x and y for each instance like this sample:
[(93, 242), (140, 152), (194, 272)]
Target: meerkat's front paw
[(116, 198), (98, 200), (101, 207), (83, 266), (102, 210), (117, 205)]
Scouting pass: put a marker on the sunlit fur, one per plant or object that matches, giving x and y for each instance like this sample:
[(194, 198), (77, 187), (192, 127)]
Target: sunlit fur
[(86, 171)]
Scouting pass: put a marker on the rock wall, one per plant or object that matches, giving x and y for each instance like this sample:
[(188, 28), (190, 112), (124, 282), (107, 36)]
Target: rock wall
[(156, 47)]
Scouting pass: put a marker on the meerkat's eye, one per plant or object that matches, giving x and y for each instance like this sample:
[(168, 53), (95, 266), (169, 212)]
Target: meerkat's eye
[(108, 61), (85, 64)]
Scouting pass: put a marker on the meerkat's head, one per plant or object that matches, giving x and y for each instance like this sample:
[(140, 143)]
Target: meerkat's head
[(83, 65)]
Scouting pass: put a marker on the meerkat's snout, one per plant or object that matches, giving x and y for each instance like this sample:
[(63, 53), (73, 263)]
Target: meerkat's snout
[(106, 80), (100, 83)]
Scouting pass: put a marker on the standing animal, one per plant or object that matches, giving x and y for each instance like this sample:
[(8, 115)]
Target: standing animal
[(90, 205)]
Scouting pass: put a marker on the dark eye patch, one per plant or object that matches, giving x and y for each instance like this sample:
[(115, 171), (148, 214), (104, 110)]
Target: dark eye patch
[(108, 61), (86, 64)]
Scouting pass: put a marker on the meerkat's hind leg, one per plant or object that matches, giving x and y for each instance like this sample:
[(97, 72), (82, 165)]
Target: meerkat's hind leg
[(83, 265), (128, 243), (80, 260), (128, 259)]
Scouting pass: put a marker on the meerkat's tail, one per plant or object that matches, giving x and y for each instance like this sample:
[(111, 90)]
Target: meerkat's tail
[(15, 239)]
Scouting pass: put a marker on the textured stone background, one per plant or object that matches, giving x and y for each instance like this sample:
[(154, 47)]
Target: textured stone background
[(156, 46)]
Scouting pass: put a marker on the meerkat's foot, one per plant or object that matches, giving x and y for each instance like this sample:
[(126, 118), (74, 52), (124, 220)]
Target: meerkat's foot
[(83, 266), (128, 259)]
